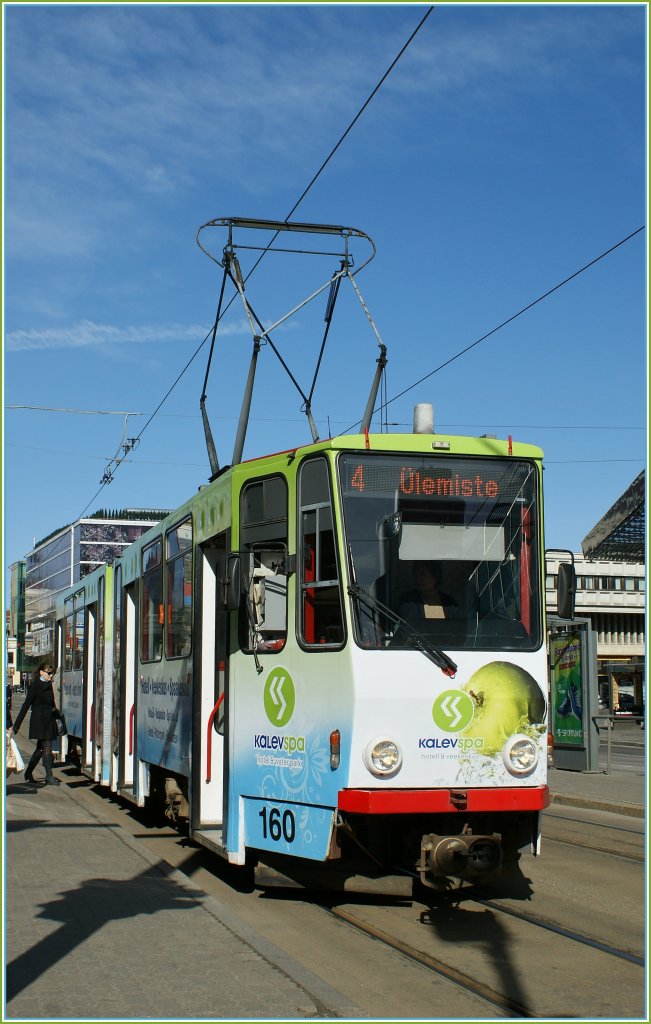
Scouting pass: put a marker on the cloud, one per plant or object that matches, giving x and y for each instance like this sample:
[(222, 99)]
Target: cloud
[(108, 90), (114, 113), (87, 334), (105, 92)]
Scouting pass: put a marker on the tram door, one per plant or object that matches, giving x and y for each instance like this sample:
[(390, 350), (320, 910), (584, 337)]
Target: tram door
[(89, 696), (210, 780), (98, 654), (125, 726), (115, 677), (59, 653)]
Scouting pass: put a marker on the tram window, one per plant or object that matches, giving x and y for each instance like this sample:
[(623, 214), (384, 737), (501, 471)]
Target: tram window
[(477, 519), (78, 639), (178, 643), (152, 609), (117, 615), (314, 483), (321, 616), (68, 636), (263, 537), (99, 644)]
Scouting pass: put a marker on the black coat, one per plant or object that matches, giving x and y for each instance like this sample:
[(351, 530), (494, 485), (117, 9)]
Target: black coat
[(40, 698)]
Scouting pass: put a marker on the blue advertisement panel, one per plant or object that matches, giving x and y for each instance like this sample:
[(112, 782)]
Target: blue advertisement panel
[(72, 702), (282, 756), (164, 724)]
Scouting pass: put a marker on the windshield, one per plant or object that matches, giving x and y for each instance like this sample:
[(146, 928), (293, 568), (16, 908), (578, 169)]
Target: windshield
[(449, 544)]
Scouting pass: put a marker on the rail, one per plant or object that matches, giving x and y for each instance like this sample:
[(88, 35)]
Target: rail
[(610, 721), (131, 714)]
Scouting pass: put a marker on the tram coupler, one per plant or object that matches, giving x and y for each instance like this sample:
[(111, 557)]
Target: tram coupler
[(468, 857)]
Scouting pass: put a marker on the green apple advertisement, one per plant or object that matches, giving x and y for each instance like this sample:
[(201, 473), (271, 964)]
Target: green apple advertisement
[(567, 699)]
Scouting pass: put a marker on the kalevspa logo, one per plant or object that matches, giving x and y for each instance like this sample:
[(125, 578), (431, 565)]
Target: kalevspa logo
[(453, 710), (279, 697)]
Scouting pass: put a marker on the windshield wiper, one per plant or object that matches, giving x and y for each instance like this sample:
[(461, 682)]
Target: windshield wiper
[(421, 643)]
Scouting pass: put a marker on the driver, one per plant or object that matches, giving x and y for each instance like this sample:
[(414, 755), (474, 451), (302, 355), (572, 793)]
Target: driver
[(425, 600)]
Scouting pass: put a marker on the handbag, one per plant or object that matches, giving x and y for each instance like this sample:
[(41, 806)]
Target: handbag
[(60, 726)]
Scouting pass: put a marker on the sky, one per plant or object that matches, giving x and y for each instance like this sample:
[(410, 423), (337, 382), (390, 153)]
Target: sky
[(504, 152)]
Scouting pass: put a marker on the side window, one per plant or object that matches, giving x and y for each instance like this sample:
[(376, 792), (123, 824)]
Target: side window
[(152, 609), (78, 639), (117, 615), (99, 640), (263, 542), (321, 616), (69, 634), (178, 629)]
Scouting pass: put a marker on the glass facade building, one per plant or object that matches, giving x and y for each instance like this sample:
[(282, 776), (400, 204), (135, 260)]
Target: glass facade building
[(63, 559)]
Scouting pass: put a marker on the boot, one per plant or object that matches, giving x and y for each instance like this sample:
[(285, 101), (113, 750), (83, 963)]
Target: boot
[(29, 770), (47, 764)]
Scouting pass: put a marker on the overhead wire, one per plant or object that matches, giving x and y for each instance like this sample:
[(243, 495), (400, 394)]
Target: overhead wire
[(293, 210), (510, 319), (298, 202)]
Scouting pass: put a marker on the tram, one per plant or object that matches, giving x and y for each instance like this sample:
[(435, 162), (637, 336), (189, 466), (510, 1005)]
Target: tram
[(330, 660)]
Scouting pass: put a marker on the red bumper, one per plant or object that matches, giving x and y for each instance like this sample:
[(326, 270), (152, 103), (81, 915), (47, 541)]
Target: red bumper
[(441, 801)]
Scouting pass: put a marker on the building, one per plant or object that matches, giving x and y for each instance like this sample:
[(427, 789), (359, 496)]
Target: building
[(62, 559), (621, 534), (15, 614), (613, 596), (12, 674)]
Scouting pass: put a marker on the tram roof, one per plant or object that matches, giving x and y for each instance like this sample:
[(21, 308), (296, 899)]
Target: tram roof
[(620, 534)]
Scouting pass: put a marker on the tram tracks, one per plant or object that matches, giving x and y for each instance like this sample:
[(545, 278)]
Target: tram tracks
[(566, 933), (465, 979), (510, 1006), (596, 824), (628, 844), (525, 963), (633, 856), (482, 947)]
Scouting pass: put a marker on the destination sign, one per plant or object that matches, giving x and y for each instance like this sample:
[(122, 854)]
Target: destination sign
[(372, 477)]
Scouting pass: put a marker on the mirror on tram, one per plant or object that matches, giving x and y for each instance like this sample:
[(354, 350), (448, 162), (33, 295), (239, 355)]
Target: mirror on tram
[(232, 584), (566, 592)]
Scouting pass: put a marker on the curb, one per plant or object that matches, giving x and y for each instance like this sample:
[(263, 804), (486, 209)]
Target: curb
[(630, 810)]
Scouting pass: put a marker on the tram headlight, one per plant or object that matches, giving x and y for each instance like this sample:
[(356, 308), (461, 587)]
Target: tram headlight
[(383, 757), (520, 754)]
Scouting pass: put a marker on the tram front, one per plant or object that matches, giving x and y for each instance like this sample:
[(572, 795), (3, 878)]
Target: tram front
[(448, 754)]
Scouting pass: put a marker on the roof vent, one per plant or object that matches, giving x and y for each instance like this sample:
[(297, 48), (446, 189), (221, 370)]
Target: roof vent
[(424, 418)]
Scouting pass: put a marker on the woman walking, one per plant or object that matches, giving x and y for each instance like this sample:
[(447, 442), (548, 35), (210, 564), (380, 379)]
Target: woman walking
[(42, 727)]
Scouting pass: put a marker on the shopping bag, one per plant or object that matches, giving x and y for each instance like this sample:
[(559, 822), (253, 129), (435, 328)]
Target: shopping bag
[(15, 762), (20, 764)]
